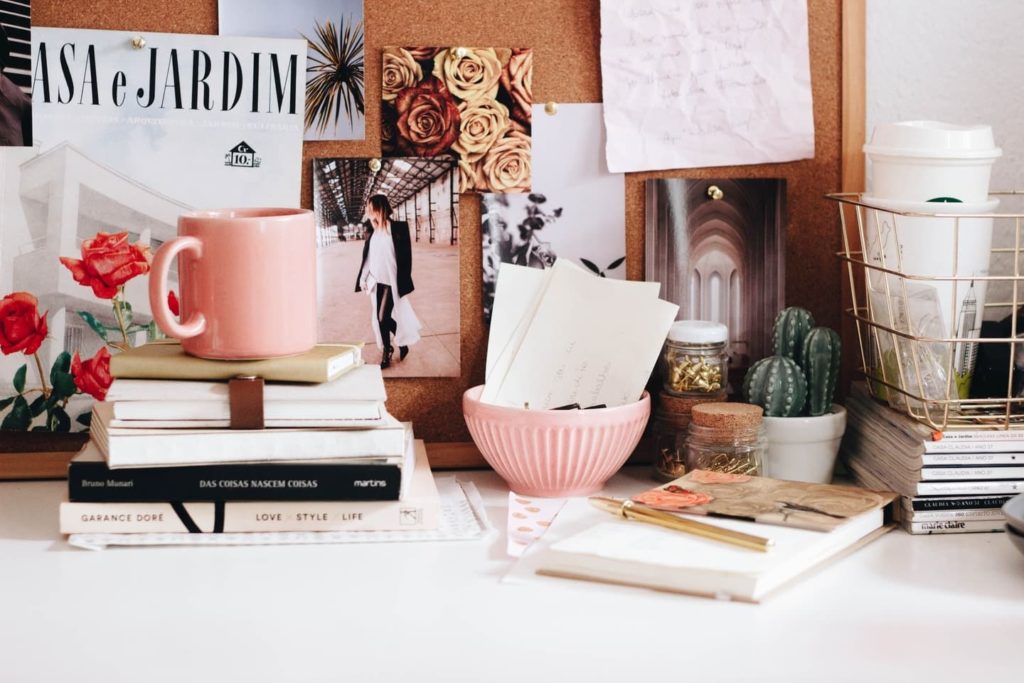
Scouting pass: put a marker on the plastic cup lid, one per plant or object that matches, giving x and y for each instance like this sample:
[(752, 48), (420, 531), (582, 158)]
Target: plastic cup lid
[(933, 139), (698, 332)]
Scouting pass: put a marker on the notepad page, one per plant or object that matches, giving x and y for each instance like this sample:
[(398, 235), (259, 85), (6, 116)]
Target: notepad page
[(588, 542)]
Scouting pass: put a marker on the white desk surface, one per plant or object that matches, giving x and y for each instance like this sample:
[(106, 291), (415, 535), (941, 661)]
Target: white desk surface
[(904, 608)]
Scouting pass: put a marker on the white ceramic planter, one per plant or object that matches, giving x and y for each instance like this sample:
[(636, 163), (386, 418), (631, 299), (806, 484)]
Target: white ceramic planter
[(804, 448)]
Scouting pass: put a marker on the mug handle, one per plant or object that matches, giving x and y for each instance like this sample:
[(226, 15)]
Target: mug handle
[(158, 289)]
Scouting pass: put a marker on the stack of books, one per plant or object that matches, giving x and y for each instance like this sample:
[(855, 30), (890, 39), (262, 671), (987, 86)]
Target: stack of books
[(164, 458), (954, 481)]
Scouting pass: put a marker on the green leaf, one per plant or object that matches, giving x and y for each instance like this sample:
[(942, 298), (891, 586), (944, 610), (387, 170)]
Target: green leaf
[(19, 418), (85, 418), (153, 332), (19, 378), (60, 421), (38, 406), (61, 365), (6, 402), (97, 327), (64, 385)]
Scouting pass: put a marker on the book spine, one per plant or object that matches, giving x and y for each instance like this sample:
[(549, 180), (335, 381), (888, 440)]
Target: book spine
[(225, 446), (247, 517), (972, 473), (983, 435), (985, 514), (968, 488), (958, 526), (1005, 446), (972, 503), (95, 482), (975, 458)]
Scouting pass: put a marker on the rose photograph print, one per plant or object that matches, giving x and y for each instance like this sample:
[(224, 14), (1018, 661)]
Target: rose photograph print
[(388, 261), (472, 104)]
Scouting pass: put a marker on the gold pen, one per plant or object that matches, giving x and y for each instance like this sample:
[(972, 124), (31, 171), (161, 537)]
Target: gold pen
[(642, 513)]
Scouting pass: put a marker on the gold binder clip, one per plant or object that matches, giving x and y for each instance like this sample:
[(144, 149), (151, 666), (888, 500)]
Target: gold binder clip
[(138, 42)]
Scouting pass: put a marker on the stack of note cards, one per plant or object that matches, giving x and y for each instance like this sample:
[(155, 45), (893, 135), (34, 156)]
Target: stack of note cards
[(563, 336)]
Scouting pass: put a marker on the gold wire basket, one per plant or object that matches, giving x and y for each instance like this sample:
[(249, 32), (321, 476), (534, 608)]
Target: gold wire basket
[(921, 284)]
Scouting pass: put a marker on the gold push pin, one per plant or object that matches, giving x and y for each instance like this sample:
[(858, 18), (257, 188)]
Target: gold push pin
[(138, 42), (715, 192), (374, 165), (551, 108), (461, 52)]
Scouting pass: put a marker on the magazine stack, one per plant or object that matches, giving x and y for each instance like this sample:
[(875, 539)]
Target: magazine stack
[(949, 482), (297, 444)]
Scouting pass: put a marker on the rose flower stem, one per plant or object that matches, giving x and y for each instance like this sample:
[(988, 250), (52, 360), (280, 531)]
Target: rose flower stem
[(42, 375), (120, 314)]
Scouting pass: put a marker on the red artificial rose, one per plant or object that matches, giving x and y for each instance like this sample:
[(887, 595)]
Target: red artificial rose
[(22, 328), (428, 119), (108, 261), (93, 376), (172, 302)]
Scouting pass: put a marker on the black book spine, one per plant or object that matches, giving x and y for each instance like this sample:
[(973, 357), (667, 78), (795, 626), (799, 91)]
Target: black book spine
[(94, 482), (959, 503)]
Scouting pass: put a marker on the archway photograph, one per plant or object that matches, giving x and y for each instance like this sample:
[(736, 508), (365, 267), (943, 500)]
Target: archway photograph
[(718, 248)]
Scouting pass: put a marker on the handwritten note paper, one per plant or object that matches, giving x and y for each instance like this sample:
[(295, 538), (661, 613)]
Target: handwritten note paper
[(694, 83), (581, 339)]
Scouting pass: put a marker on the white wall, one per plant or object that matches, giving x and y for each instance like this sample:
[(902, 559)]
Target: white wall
[(959, 61)]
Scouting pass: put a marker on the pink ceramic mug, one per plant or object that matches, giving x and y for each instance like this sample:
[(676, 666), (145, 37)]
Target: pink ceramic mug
[(246, 283)]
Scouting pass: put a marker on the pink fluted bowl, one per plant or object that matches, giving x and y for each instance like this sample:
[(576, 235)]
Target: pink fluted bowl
[(555, 453)]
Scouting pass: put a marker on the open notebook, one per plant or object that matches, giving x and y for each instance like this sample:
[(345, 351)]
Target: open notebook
[(586, 543)]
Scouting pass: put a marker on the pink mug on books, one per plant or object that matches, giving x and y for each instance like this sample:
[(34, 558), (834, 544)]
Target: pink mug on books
[(246, 283)]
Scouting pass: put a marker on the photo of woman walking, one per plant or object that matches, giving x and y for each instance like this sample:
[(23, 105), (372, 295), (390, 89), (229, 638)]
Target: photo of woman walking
[(386, 276), (388, 251)]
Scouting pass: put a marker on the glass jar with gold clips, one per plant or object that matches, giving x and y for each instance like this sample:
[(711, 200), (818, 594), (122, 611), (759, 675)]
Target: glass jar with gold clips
[(726, 437), (694, 358)]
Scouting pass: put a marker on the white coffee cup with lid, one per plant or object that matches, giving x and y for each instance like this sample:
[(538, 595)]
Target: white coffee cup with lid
[(922, 161)]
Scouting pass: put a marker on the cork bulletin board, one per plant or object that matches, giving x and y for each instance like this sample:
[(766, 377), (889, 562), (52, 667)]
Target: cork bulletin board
[(565, 36)]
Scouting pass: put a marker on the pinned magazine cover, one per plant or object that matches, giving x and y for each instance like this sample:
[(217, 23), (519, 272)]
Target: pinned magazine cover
[(335, 65), (16, 75), (469, 103), (131, 131), (396, 288)]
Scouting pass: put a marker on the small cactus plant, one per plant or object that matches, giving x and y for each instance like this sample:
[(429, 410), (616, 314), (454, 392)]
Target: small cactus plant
[(778, 385), (820, 361), (791, 326), (800, 379)]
